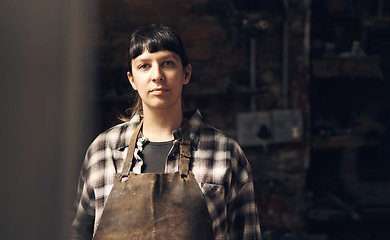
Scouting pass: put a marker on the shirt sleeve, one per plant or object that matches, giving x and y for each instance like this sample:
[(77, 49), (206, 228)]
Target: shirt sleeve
[(83, 223), (243, 209), (246, 222)]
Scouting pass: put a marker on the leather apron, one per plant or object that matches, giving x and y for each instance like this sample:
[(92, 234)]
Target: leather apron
[(156, 205)]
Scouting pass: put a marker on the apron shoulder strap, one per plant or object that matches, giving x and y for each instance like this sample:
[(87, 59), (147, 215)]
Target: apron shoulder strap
[(130, 152), (185, 149)]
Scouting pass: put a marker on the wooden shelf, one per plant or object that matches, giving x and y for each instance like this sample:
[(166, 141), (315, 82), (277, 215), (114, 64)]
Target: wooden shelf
[(343, 142), (193, 94), (232, 91), (331, 67)]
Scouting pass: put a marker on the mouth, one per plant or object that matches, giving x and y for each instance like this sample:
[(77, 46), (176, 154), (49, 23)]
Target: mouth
[(159, 90)]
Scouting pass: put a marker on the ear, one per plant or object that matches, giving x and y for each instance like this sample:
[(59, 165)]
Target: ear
[(131, 80), (187, 74)]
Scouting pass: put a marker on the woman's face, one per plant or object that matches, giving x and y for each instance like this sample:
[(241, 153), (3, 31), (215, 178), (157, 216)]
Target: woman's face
[(159, 78)]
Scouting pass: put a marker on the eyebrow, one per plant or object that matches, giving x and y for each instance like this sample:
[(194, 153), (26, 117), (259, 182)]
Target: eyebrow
[(170, 55)]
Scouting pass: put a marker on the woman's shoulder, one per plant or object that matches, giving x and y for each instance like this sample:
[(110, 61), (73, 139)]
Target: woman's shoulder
[(115, 137), (108, 144), (211, 132)]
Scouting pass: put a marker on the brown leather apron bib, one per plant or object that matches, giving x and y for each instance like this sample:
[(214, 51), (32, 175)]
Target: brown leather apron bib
[(156, 206)]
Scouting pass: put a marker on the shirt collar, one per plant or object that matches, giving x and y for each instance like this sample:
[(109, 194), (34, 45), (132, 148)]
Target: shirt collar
[(196, 122)]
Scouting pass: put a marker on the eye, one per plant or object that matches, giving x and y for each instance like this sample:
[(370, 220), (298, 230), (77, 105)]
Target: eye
[(169, 63), (143, 66)]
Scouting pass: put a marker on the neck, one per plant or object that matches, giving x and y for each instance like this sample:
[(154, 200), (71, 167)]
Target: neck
[(159, 124)]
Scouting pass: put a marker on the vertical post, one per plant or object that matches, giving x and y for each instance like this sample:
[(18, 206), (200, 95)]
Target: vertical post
[(285, 55), (253, 72)]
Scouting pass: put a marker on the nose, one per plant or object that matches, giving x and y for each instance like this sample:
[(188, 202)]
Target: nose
[(157, 74)]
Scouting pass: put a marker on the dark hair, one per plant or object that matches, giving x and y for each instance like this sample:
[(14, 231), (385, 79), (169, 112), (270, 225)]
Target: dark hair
[(154, 37)]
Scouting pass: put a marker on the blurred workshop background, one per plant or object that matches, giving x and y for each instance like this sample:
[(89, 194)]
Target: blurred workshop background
[(303, 85)]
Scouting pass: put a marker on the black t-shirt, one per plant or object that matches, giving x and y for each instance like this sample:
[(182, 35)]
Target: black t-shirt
[(154, 155)]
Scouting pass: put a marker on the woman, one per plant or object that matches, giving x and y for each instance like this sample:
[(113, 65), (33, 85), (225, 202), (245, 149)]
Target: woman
[(161, 141)]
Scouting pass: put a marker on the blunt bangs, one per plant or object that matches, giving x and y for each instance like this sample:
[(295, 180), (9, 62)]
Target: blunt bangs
[(154, 38)]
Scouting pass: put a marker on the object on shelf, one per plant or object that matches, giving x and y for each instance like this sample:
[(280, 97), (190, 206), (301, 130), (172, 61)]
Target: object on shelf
[(331, 67)]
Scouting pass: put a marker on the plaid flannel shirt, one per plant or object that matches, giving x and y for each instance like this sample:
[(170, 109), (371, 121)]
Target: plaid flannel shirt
[(218, 164)]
